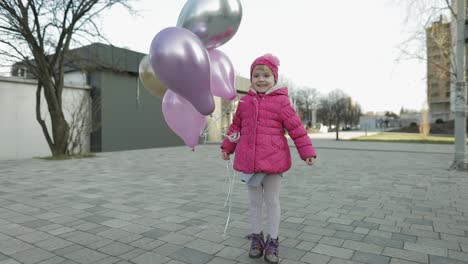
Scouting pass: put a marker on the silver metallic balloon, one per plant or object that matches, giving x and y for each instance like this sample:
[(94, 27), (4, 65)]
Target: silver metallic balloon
[(213, 21)]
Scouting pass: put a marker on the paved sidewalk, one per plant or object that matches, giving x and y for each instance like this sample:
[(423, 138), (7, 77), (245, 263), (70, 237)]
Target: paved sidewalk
[(361, 202)]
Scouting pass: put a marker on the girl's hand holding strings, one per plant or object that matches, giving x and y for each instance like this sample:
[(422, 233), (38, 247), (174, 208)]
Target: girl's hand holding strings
[(310, 161), (225, 156)]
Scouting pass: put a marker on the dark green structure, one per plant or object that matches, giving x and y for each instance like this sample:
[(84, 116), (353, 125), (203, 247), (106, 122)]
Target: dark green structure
[(125, 115)]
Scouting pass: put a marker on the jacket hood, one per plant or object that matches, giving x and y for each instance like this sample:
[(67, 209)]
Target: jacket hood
[(275, 90)]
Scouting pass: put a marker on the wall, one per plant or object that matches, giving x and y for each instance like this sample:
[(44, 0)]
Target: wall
[(20, 134)]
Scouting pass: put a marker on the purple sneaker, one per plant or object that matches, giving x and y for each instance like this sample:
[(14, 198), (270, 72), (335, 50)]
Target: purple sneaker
[(257, 245), (271, 250)]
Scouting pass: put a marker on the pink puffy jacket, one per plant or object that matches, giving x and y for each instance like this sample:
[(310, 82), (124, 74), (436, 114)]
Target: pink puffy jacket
[(262, 147)]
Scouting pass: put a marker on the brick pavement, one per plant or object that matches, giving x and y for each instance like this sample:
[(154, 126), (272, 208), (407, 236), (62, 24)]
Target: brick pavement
[(360, 203)]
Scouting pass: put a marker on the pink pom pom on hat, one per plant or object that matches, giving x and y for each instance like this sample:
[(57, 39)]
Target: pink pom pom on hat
[(269, 60)]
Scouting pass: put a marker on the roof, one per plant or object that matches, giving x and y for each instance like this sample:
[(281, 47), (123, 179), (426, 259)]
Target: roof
[(95, 57), (102, 56)]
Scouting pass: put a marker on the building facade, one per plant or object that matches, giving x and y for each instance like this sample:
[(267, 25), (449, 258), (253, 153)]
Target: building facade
[(441, 67), (124, 114), (439, 56)]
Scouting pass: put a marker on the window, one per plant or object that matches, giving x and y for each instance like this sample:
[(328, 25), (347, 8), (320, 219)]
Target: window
[(22, 72)]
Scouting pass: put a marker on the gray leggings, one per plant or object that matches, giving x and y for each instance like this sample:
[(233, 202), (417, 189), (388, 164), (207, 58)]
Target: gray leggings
[(268, 191)]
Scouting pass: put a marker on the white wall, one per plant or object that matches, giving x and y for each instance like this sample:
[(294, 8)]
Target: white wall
[(20, 134)]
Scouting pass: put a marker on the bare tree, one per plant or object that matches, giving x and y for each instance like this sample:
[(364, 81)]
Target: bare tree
[(324, 111), (292, 89), (39, 33), (338, 108), (307, 101), (419, 17), (352, 113), (81, 111)]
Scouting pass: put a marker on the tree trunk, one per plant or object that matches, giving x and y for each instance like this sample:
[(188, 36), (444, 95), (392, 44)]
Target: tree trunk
[(60, 128), (337, 129)]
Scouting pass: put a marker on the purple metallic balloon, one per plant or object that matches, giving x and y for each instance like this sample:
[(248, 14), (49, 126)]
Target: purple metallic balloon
[(182, 63), (183, 118), (222, 75)]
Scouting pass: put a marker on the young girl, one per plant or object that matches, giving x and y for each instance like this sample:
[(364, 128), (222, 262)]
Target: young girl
[(262, 152)]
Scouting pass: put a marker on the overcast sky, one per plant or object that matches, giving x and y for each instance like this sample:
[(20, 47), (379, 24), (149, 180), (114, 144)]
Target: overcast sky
[(341, 44)]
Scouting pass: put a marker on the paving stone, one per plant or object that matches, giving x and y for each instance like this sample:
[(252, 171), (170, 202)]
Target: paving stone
[(32, 255), (115, 249), (67, 250), (204, 246), (349, 235), (136, 228), (81, 238), (114, 234), (53, 244), (315, 258), (230, 253), (361, 230), (426, 249), (383, 241), (216, 260), (458, 255), (370, 258), (365, 224), (132, 254), (290, 242), (364, 247), (333, 251), (34, 237), (167, 249), (332, 241), (36, 223), (85, 256), (380, 233), (100, 243), (155, 233), (61, 230), (406, 255), (342, 261), (341, 227), (191, 256), (53, 260), (9, 261), (404, 237), (444, 260), (402, 261), (177, 239), (109, 260), (12, 246), (319, 230), (150, 258), (130, 238)]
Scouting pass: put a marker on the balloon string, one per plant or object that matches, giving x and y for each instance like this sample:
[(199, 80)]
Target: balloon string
[(231, 175), (138, 93), (204, 133)]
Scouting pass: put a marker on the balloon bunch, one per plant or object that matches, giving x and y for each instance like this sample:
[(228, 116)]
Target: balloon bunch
[(185, 67)]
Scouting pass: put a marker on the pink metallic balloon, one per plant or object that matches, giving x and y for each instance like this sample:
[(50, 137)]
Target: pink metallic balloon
[(183, 118), (182, 63), (222, 75)]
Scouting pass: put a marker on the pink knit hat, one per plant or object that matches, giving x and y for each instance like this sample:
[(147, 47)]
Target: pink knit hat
[(269, 60)]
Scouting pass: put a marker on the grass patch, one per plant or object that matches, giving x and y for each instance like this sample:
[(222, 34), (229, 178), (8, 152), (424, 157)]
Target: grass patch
[(406, 138), (66, 157)]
